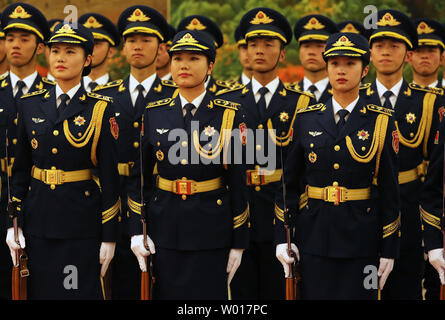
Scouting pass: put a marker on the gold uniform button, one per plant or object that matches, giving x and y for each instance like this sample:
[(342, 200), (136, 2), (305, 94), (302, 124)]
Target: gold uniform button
[(363, 148), (219, 202), (311, 145), (79, 134), (135, 124), (184, 143), (337, 148), (335, 184), (260, 126), (87, 193), (33, 132), (136, 144), (54, 150), (411, 134), (16, 121), (158, 143), (257, 188), (52, 187), (183, 161), (56, 132), (336, 166), (14, 141)]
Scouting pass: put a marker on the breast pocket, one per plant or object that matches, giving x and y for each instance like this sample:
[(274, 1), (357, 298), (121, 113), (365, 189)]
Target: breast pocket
[(316, 147), (36, 134)]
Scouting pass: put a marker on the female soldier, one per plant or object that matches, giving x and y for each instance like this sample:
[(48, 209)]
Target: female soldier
[(345, 154), (64, 133), (197, 213)]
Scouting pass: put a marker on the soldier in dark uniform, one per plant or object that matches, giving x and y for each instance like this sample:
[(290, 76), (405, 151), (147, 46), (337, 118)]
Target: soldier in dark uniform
[(345, 153), (198, 214), (143, 29), (69, 223), (25, 30), (353, 27), (270, 105), (416, 114), (247, 72), (425, 62), (311, 33), (52, 23), (106, 39), (163, 61), (209, 28)]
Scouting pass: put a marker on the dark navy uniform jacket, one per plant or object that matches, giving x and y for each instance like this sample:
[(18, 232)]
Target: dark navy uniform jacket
[(416, 113), (320, 156), (129, 121), (82, 137), (9, 121), (202, 221), (279, 116)]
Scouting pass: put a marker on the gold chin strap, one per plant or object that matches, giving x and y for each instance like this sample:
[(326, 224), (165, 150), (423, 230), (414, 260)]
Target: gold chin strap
[(423, 131), (303, 102), (378, 141), (95, 127)]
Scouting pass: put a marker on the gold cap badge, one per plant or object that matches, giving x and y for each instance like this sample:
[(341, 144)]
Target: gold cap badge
[(424, 28), (19, 12), (92, 23), (313, 24), (195, 24), (261, 17), (388, 20), (138, 15)]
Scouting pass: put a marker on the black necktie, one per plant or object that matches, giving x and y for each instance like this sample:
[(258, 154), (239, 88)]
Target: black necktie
[(262, 102), (20, 84), (312, 89), (341, 123), (387, 102), (92, 85), (62, 106), (188, 114), (139, 105)]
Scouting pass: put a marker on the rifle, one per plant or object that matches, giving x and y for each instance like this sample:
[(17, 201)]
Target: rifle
[(293, 280), (147, 278), (442, 286), (20, 270)]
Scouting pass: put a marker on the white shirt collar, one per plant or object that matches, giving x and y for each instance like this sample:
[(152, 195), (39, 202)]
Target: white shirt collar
[(100, 81), (29, 80), (336, 106), (320, 84), (167, 76), (381, 89), (70, 93), (196, 102), (244, 79), (207, 82), (147, 83), (434, 84), (272, 86), (49, 76)]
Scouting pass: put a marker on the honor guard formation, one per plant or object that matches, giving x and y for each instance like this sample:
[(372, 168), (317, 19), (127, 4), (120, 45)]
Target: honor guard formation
[(170, 184)]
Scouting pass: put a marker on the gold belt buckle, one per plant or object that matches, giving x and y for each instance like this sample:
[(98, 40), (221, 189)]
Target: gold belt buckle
[(183, 187), (255, 177), (52, 176), (334, 194)]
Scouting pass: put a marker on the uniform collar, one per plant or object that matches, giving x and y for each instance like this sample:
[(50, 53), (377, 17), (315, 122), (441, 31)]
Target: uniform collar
[(272, 86), (147, 83), (244, 79), (196, 102), (70, 93), (29, 80), (381, 89), (100, 81), (167, 76), (336, 106), (320, 84)]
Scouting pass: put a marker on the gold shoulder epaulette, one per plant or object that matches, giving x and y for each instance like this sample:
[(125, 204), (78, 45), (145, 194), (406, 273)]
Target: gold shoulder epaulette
[(365, 85), (379, 109), (34, 93), (314, 107), (98, 96), (296, 88), (46, 80), (4, 76), (434, 90), (158, 103), (169, 83), (230, 89), (226, 104), (110, 84)]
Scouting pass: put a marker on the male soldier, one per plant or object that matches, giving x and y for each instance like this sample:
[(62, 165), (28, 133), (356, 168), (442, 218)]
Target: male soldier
[(416, 115), (311, 33), (425, 62), (247, 71), (271, 109), (106, 39), (52, 23), (210, 29), (163, 60), (25, 29), (143, 29)]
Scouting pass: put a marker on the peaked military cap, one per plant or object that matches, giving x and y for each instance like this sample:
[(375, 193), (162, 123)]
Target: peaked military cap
[(65, 33), (396, 25), (265, 22), (171, 34), (101, 27), (430, 32), (204, 24), (142, 19), (314, 27), (195, 41), (347, 44), (26, 17), (240, 41), (353, 27)]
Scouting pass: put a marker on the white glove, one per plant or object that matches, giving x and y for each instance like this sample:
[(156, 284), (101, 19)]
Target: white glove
[(438, 262), (284, 258), (235, 256), (106, 254), (385, 268), (13, 246), (138, 248)]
